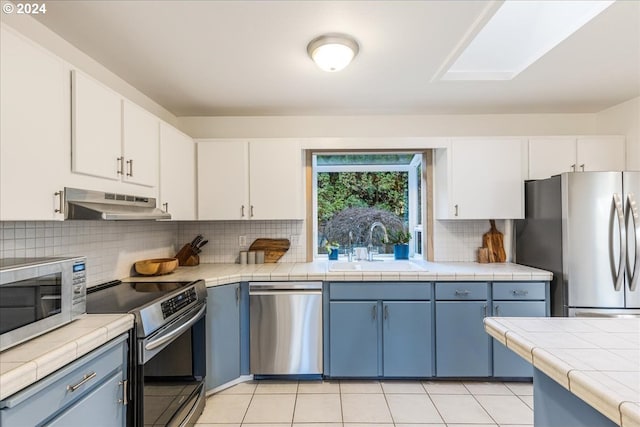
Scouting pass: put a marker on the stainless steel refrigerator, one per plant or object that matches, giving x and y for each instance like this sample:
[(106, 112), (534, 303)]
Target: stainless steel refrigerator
[(584, 227)]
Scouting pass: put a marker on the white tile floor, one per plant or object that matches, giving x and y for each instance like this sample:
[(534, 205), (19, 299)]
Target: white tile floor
[(370, 404)]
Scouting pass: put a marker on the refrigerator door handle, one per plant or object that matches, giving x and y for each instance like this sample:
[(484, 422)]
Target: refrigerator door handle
[(617, 201), (632, 210)]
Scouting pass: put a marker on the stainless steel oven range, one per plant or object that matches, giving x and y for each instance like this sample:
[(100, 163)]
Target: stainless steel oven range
[(168, 358)]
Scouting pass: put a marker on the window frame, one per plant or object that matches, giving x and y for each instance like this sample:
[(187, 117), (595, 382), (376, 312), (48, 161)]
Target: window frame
[(419, 158)]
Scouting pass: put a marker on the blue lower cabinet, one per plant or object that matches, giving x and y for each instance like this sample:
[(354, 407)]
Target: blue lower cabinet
[(353, 338), (462, 345), (223, 334), (406, 338), (97, 399), (506, 363)]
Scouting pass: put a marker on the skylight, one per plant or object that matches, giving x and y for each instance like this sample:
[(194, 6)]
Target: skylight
[(518, 34)]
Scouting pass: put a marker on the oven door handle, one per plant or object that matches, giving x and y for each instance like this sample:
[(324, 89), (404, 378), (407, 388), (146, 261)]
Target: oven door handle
[(179, 330)]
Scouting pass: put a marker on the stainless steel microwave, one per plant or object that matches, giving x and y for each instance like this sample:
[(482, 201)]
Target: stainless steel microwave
[(38, 295)]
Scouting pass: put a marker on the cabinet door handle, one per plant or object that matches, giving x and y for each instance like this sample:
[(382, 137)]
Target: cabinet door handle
[(238, 295), (85, 378), (374, 312), (573, 167), (497, 310), (130, 167), (125, 399), (582, 167), (456, 208), (242, 211), (484, 310), (462, 293), (386, 312), (120, 161), (520, 293), (251, 212), (60, 195), (166, 206)]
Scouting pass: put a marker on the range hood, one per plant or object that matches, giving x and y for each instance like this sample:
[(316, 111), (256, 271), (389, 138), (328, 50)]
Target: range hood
[(96, 205)]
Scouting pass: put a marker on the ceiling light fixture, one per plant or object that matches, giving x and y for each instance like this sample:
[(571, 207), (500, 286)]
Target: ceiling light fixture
[(332, 52)]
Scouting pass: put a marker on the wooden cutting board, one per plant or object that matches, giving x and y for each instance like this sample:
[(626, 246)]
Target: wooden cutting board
[(273, 248), (494, 240)]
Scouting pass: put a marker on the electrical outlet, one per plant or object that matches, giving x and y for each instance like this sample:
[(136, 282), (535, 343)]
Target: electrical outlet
[(242, 241), (294, 239)]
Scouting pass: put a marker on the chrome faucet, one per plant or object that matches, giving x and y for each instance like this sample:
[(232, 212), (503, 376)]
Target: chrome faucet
[(350, 247), (385, 240)]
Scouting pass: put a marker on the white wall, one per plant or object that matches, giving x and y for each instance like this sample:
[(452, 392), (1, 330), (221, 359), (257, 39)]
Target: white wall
[(623, 119), (388, 125), (42, 35)]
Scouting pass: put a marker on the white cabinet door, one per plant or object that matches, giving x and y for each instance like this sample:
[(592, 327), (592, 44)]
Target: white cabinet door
[(223, 180), (177, 173), (35, 130), (275, 187), (140, 142), (96, 128), (600, 153), (483, 179), (550, 156), (554, 155)]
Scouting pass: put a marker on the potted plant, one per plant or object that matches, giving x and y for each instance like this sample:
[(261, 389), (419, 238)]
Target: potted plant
[(332, 250), (400, 241)]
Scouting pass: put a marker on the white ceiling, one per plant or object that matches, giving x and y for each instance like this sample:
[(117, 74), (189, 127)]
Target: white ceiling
[(249, 57)]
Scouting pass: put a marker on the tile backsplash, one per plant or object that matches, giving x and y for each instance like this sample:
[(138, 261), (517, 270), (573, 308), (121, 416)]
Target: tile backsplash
[(459, 240), (224, 238), (111, 248)]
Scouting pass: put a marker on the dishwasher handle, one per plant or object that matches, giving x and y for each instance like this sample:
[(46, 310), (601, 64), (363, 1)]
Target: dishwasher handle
[(284, 286), (285, 292)]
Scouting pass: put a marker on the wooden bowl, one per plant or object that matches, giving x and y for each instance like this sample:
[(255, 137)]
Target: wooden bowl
[(156, 266)]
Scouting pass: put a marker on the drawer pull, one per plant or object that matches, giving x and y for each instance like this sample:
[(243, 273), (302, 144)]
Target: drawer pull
[(520, 293), (85, 378), (462, 293)]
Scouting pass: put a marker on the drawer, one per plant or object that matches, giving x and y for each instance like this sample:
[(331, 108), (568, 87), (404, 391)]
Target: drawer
[(519, 291), (390, 291), (462, 291), (39, 401)]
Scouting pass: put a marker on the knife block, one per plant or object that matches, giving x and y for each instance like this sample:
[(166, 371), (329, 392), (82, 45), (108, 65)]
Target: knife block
[(187, 257)]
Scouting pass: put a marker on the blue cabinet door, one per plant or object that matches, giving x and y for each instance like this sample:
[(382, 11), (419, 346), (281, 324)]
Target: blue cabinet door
[(223, 334), (462, 345), (406, 337), (353, 338), (100, 407), (505, 362)]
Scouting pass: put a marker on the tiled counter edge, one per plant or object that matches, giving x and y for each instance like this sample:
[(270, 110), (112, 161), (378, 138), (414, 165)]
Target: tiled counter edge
[(618, 402), (222, 274), (31, 361)]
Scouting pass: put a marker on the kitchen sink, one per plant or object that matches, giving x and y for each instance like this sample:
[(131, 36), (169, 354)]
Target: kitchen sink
[(375, 266)]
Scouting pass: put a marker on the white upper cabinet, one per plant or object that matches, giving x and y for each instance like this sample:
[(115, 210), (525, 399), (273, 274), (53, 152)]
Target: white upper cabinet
[(554, 155), (177, 173), (112, 138), (223, 179), (249, 180), (96, 138), (480, 178), (140, 145), (600, 153), (275, 180), (35, 131)]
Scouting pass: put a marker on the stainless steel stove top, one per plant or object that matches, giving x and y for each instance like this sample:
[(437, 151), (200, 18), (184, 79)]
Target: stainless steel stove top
[(154, 304)]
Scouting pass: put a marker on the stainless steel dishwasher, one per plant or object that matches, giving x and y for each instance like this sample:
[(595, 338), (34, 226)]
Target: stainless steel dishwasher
[(286, 328)]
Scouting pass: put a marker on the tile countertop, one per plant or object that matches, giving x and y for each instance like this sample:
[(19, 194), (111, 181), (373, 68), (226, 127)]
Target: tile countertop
[(596, 359), (26, 363), (222, 274)]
